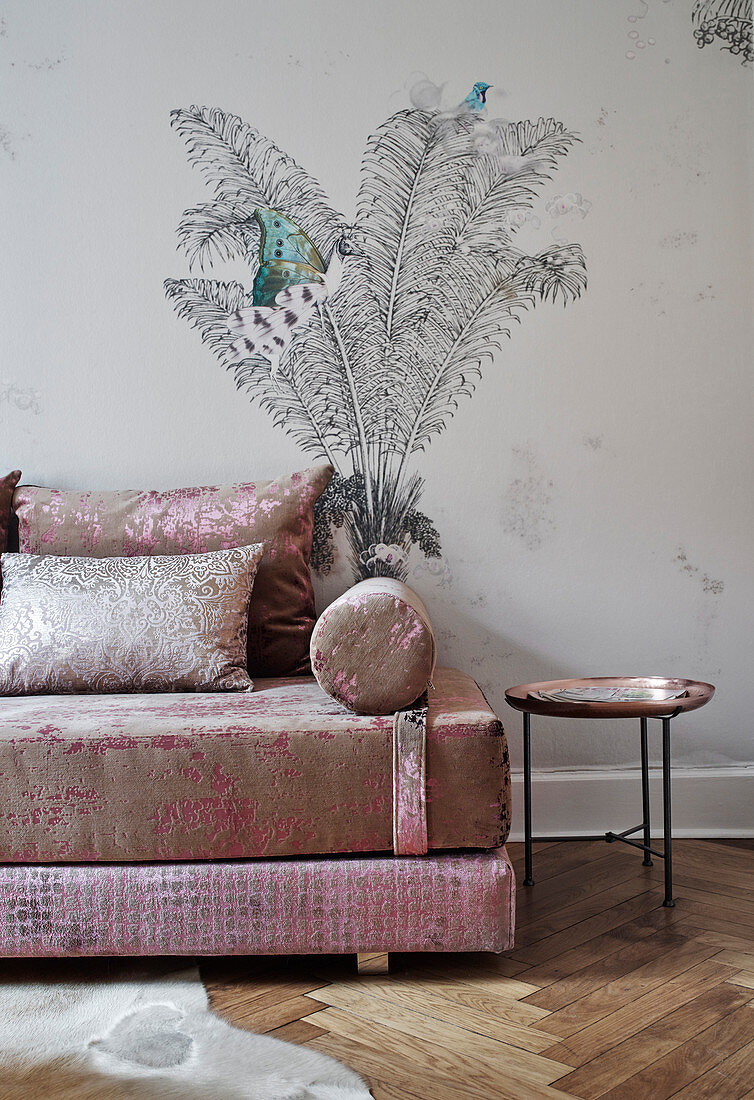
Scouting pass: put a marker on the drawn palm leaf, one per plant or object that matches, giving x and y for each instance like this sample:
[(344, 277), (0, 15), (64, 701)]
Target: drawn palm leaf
[(498, 184), (463, 336), (217, 231), (359, 343), (407, 191), (475, 283), (206, 303), (247, 170), (325, 383), (556, 271)]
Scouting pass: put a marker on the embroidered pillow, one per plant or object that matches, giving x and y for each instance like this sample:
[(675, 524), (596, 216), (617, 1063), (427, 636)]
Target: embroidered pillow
[(174, 623), (373, 648), (279, 513)]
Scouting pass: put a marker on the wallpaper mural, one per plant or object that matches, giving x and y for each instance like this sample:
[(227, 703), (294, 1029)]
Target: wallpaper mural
[(728, 21), (360, 340)]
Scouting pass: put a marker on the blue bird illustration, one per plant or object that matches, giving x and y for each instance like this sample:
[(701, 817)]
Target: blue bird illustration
[(477, 97)]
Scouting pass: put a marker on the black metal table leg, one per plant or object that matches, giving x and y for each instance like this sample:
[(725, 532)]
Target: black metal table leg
[(645, 791), (528, 880), (667, 828)]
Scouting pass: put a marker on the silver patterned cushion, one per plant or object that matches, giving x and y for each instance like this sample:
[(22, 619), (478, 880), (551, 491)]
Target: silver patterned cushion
[(165, 623)]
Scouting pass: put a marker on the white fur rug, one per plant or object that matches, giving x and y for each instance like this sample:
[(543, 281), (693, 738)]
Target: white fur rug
[(127, 1038)]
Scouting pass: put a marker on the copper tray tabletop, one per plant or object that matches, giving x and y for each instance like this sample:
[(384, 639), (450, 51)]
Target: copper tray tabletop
[(697, 694)]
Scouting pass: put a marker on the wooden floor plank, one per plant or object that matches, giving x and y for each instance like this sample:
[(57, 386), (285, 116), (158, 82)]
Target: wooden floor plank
[(495, 1074), (418, 999), (522, 1064), (726, 942), (582, 923), (413, 1076), (269, 1016), (598, 974), (683, 878), (484, 961), (600, 947), (299, 1031), (568, 886), (476, 972), (729, 1080), (643, 1060), (638, 1013), (733, 910), (601, 1002), (686, 1063), (742, 959), (744, 978), (556, 911), (558, 859), (494, 996)]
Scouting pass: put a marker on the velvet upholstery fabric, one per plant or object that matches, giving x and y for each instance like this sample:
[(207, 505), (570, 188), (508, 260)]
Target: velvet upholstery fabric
[(373, 648), (453, 902), (410, 781), (280, 771), (279, 513), (7, 485), (163, 623)]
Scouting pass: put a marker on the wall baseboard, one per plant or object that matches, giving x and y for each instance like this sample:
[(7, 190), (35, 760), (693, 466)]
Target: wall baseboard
[(706, 802)]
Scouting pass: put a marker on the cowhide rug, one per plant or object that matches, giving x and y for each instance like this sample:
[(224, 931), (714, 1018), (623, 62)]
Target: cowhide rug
[(129, 1036)]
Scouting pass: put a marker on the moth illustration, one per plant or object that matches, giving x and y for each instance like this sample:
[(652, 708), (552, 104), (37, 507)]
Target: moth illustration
[(292, 282)]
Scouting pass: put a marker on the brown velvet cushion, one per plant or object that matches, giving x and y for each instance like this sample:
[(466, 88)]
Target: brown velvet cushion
[(279, 513), (7, 485), (373, 648), (174, 623)]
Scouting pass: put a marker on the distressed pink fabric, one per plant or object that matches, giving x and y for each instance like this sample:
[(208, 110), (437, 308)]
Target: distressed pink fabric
[(373, 648), (410, 782), (279, 513), (266, 907), (280, 771)]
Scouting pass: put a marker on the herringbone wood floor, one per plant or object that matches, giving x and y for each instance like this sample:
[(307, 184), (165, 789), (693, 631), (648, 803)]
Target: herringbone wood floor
[(607, 993)]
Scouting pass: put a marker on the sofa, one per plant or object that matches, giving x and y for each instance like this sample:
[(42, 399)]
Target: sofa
[(276, 820)]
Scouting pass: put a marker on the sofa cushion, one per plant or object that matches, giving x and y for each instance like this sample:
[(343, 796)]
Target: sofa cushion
[(373, 648), (279, 513), (162, 623), (280, 771)]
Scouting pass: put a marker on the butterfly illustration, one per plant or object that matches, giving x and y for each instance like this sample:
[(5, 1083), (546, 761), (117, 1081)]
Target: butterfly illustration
[(292, 282)]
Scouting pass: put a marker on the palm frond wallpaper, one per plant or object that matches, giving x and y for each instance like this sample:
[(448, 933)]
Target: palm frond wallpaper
[(431, 284)]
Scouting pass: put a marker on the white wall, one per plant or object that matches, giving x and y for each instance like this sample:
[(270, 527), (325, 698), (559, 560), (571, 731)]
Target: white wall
[(594, 496)]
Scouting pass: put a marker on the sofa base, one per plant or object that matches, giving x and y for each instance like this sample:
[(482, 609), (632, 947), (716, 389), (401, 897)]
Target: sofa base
[(460, 901)]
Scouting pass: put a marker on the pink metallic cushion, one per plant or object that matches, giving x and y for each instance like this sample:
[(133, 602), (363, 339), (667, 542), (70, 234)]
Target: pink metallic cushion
[(373, 648), (279, 513), (176, 623)]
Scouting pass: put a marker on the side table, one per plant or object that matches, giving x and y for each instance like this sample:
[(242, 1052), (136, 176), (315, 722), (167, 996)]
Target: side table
[(696, 694)]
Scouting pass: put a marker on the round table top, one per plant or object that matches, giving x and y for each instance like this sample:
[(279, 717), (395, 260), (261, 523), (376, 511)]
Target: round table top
[(696, 694)]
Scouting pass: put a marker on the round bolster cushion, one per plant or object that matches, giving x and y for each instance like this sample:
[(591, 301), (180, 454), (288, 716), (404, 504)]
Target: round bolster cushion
[(373, 648)]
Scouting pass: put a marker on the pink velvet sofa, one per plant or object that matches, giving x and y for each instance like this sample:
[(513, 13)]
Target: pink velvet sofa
[(244, 823), (271, 821)]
